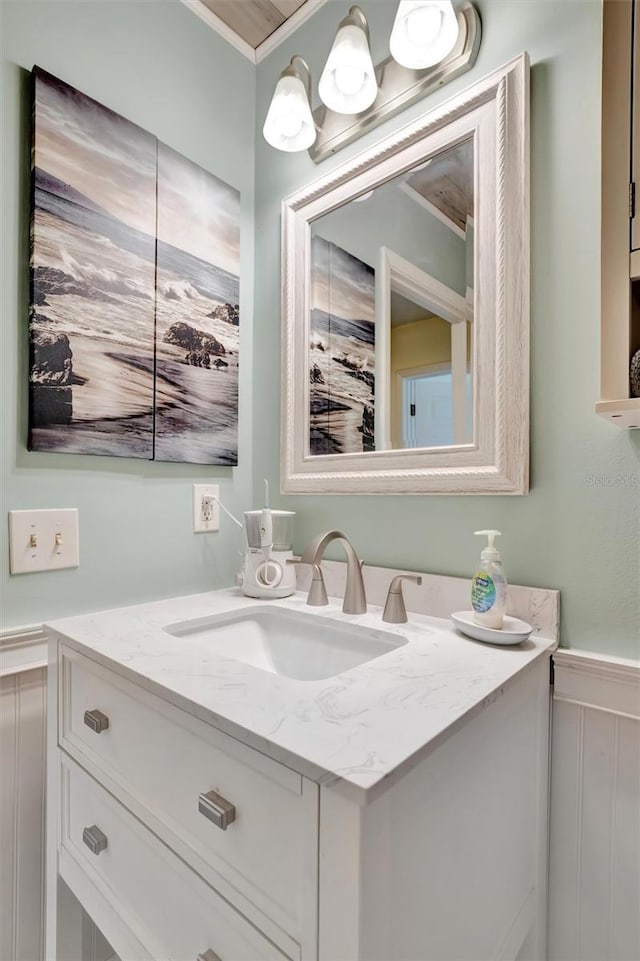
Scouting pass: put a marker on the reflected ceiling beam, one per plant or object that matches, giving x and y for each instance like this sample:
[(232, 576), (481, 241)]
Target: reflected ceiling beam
[(444, 186)]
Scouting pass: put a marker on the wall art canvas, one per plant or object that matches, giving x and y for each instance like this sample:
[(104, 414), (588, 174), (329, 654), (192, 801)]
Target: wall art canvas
[(342, 366), (93, 277), (197, 314), (129, 241)]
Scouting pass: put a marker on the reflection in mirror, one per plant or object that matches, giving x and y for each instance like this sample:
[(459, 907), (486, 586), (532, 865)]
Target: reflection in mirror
[(430, 378), (392, 305), (342, 351)]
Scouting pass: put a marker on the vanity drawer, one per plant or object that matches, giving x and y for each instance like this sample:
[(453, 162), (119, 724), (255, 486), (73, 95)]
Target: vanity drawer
[(160, 761), (168, 909)]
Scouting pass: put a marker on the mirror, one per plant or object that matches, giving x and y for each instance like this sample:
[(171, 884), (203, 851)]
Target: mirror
[(405, 307), (391, 313)]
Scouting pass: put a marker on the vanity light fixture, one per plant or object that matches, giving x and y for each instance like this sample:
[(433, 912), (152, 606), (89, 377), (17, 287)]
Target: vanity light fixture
[(424, 33), (431, 43), (289, 123), (348, 81)]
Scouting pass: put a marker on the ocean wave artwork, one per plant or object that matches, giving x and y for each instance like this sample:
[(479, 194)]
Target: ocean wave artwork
[(342, 351), (134, 317)]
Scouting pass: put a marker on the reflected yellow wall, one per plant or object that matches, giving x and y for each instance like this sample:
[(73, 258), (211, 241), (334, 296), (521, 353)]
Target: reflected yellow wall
[(414, 346), (420, 344)]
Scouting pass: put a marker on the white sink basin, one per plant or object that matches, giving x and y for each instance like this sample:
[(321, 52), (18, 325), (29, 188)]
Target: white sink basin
[(290, 643)]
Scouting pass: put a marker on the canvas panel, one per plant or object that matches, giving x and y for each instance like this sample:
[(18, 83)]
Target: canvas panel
[(342, 352), (92, 277), (197, 314)]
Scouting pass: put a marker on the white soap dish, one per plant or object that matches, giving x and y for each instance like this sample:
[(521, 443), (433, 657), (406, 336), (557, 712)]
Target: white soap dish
[(513, 630)]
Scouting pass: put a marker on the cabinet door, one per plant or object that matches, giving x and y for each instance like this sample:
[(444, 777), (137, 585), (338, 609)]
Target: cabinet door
[(635, 125)]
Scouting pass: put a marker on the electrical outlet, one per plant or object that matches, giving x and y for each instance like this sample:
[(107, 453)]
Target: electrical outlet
[(206, 511)]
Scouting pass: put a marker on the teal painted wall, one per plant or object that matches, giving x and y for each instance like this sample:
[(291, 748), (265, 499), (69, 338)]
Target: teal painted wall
[(579, 528), (160, 66)]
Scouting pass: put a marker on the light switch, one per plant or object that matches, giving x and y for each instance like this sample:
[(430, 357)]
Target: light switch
[(43, 540)]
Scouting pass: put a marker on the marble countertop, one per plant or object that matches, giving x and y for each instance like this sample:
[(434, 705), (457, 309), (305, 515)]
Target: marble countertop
[(359, 731)]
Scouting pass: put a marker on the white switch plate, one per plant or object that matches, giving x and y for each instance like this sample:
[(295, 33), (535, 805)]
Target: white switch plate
[(43, 540), (206, 512)]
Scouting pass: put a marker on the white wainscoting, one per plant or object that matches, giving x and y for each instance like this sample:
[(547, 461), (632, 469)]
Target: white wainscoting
[(22, 649), (594, 911), (23, 702), (22, 779)]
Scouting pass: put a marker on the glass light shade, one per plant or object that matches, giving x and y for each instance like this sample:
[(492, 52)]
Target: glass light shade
[(348, 82), (289, 122), (424, 33)]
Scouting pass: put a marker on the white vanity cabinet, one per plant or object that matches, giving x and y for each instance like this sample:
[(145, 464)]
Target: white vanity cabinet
[(142, 772), (442, 859), (450, 862)]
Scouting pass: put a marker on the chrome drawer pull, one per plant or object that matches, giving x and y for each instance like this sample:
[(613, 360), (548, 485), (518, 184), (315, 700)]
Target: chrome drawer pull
[(96, 720), (217, 809), (95, 840), (208, 956)]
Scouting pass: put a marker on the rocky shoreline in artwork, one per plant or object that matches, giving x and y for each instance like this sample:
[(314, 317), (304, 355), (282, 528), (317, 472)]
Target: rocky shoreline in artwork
[(199, 346), (134, 341), (51, 281), (52, 376), (64, 359), (52, 360), (342, 413)]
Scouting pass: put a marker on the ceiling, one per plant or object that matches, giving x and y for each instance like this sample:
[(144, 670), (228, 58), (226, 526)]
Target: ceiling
[(254, 20), (446, 183), (404, 311)]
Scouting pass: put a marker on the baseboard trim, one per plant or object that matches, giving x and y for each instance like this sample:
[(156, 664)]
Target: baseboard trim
[(596, 681), (22, 649)]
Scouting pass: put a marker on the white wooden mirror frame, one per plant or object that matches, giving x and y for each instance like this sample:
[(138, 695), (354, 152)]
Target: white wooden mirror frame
[(495, 113)]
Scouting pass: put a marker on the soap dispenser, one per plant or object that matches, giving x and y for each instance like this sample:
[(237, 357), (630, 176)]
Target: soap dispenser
[(489, 586)]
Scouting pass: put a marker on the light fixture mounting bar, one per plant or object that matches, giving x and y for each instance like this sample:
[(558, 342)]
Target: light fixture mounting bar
[(398, 88)]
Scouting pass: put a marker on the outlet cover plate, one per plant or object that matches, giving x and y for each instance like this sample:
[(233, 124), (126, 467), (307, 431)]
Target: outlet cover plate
[(43, 540), (201, 523)]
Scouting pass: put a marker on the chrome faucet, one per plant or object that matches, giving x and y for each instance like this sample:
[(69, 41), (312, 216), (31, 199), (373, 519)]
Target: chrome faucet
[(355, 601)]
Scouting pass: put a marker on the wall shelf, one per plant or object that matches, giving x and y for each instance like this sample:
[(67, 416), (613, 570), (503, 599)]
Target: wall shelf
[(620, 316), (622, 413)]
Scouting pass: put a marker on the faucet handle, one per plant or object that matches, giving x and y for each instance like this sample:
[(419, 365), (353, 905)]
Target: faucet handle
[(394, 610), (317, 596)]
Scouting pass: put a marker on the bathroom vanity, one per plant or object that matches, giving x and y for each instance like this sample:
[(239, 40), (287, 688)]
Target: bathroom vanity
[(388, 806)]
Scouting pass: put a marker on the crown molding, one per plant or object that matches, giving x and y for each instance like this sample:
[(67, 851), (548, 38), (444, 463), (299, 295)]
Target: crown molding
[(290, 25), (221, 28), (267, 46)]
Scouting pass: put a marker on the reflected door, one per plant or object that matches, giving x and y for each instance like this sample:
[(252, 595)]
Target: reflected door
[(427, 409)]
